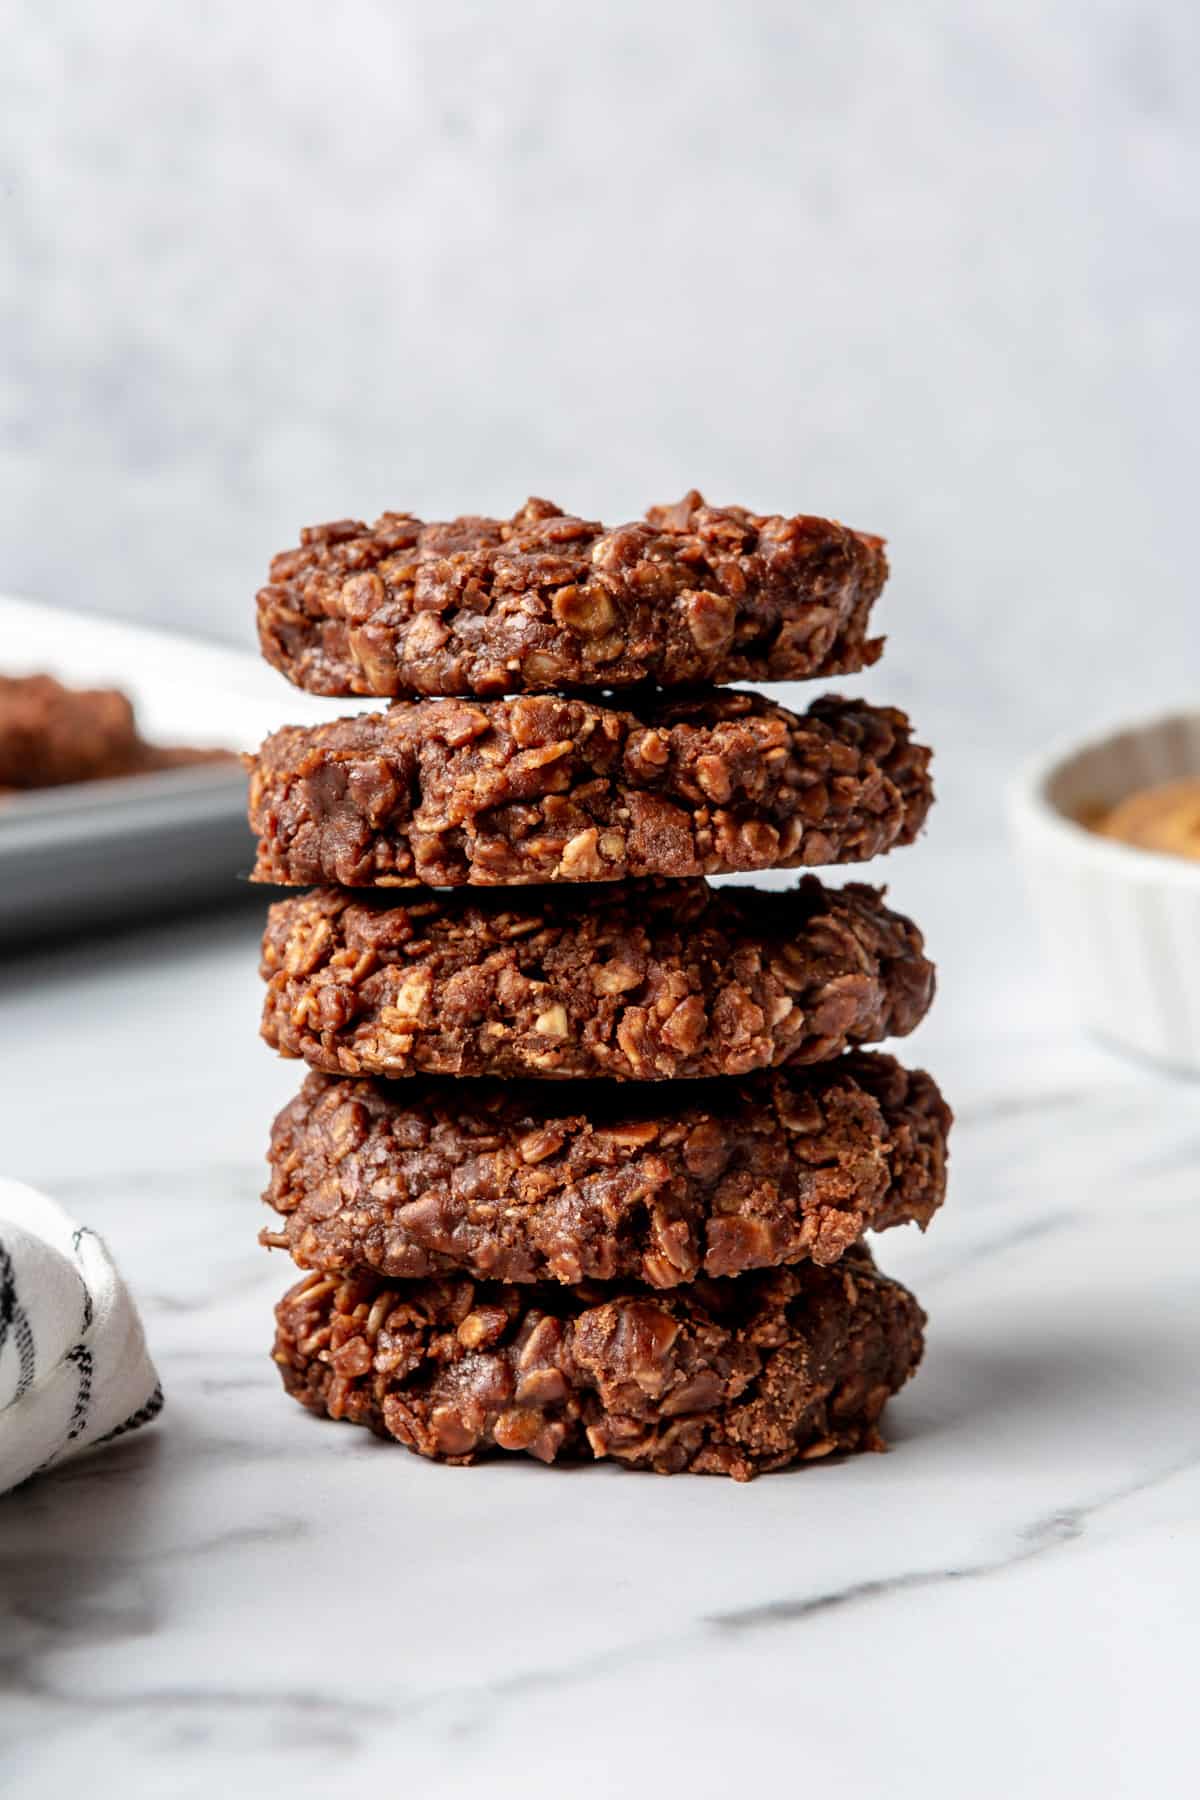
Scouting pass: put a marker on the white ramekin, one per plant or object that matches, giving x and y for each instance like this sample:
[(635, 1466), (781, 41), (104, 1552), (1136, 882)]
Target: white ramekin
[(1122, 925)]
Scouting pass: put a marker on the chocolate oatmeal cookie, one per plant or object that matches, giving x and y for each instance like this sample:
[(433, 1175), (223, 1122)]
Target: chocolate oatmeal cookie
[(541, 601), (537, 789), (52, 736), (554, 1182), (646, 980), (721, 1378)]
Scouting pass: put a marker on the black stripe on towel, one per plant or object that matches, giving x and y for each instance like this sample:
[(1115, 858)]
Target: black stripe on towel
[(14, 1318), (81, 1356), (83, 1231), (142, 1416)]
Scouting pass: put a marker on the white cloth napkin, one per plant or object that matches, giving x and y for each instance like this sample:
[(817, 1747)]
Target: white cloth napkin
[(74, 1371)]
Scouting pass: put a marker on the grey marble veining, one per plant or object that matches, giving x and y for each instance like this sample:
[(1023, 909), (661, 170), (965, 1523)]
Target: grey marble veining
[(244, 1595)]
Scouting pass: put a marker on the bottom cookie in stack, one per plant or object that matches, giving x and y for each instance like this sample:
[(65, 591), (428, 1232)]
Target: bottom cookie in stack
[(721, 1377)]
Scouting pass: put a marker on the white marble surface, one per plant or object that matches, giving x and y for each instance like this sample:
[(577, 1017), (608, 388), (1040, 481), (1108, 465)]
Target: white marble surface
[(243, 1597)]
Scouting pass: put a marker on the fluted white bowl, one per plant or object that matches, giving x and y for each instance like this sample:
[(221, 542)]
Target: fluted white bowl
[(1122, 924)]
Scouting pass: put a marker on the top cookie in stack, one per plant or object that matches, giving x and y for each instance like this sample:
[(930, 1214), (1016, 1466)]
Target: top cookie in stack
[(541, 601), (492, 1264)]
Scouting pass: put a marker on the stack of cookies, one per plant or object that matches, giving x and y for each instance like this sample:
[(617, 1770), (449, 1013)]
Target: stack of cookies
[(588, 1147)]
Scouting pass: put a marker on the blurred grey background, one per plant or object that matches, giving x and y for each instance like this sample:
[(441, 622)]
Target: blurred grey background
[(931, 268)]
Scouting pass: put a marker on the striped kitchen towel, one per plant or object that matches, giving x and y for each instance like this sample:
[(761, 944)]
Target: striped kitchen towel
[(74, 1371)]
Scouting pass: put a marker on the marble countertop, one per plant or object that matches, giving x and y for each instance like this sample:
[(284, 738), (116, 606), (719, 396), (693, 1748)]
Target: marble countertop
[(241, 1595)]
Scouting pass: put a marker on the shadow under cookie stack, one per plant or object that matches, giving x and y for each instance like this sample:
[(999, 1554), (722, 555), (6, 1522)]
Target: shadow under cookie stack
[(588, 1147)]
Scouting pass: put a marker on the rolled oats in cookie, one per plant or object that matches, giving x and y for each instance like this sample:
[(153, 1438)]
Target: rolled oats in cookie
[(477, 606), (563, 1182), (642, 980), (546, 789)]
